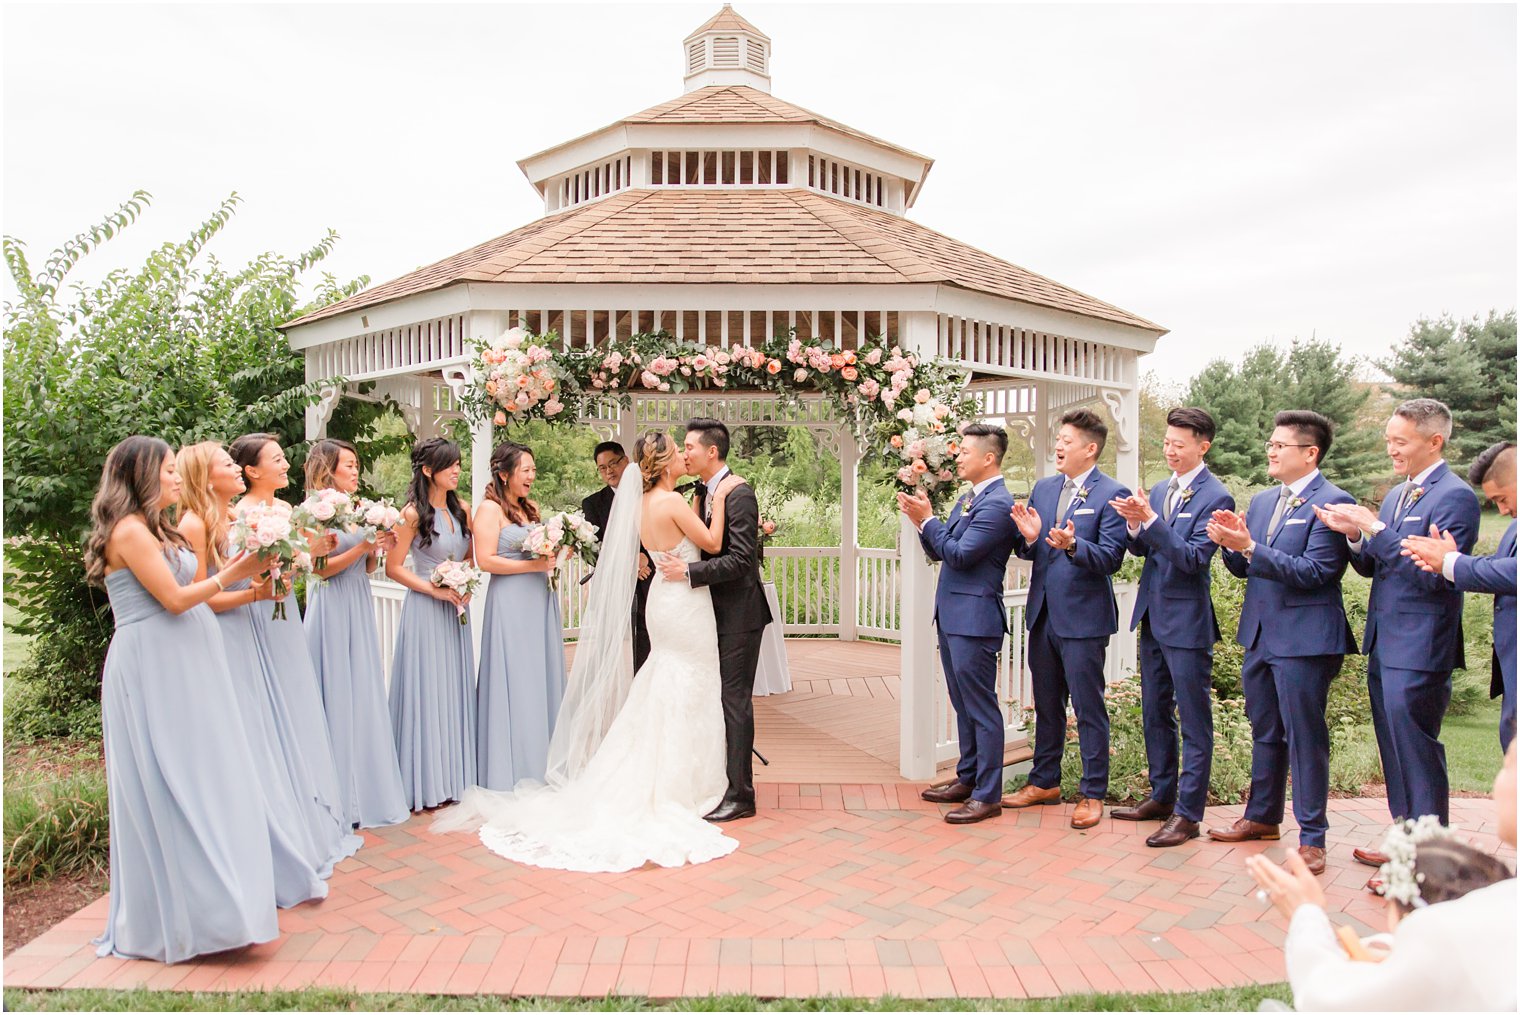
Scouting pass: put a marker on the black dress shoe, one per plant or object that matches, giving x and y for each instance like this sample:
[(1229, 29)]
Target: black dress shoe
[(1150, 809), (955, 793), (1174, 832), (730, 810), (972, 811)]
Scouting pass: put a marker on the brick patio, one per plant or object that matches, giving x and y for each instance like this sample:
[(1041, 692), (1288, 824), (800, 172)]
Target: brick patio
[(839, 887)]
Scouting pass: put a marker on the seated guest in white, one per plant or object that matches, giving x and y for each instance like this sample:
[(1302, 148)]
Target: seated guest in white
[(1451, 917)]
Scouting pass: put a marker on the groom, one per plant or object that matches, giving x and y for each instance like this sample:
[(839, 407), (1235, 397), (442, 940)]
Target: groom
[(739, 605)]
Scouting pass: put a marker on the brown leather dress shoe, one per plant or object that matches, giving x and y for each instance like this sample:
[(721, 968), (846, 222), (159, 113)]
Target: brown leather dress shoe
[(972, 811), (1088, 813), (1313, 857), (955, 793), (1370, 857), (1149, 809), (1174, 832), (1244, 830), (1374, 885), (1028, 795)]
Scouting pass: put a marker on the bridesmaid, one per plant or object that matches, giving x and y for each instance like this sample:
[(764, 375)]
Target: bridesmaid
[(303, 840), (190, 865), (522, 644), (432, 693), (286, 660), (345, 650)]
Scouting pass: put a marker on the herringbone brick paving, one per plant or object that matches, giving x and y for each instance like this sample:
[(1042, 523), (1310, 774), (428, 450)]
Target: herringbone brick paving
[(846, 888)]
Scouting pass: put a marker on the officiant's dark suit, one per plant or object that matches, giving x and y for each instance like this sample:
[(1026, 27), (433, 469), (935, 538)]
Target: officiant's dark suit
[(598, 508), (739, 606)]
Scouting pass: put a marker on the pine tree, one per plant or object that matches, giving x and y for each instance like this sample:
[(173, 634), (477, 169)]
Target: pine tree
[(1469, 365)]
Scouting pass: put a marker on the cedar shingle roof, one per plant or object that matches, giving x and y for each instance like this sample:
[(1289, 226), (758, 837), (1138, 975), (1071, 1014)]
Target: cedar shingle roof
[(727, 20), (778, 237), (733, 104)]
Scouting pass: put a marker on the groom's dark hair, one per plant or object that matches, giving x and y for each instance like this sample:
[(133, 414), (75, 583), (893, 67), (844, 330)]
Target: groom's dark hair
[(711, 432)]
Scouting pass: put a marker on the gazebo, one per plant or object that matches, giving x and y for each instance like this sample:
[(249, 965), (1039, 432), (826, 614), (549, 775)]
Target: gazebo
[(724, 216)]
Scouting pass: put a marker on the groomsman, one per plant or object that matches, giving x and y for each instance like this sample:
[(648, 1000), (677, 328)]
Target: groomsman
[(611, 460), (1414, 619), (1071, 612), (1175, 615), (1494, 471), (1293, 627), (974, 545)]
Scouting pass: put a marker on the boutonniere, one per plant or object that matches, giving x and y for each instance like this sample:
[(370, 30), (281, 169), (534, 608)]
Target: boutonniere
[(1187, 495), (1419, 492), (1295, 503), (1083, 492)]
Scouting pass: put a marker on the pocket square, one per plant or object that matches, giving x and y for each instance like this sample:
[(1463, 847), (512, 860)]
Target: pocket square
[(1083, 511), (1296, 521), (1185, 514), (1410, 518)]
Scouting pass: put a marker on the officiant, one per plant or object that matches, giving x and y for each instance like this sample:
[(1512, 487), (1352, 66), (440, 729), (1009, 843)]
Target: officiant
[(611, 460)]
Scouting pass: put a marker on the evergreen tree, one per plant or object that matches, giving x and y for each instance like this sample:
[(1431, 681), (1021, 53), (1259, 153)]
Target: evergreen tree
[(1469, 365)]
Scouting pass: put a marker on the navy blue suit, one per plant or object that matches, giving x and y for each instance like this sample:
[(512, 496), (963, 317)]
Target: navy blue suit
[(1071, 614), (973, 546), (1496, 576), (1294, 630), (1414, 640), (1175, 614)]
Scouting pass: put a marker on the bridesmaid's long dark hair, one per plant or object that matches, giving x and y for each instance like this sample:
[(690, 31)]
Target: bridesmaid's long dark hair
[(246, 449), (129, 485), (506, 458), (437, 454)]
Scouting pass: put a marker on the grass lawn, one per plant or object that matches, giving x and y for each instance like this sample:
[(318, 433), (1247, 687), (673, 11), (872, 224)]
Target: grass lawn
[(1472, 748), (326, 999)]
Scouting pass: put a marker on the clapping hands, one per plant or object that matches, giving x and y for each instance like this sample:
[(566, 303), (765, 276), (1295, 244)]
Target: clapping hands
[(1134, 509), (1030, 524), (1228, 529), (1429, 552), (917, 507)]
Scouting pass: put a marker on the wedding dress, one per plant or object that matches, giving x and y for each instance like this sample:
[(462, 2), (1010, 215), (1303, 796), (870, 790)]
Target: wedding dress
[(634, 762)]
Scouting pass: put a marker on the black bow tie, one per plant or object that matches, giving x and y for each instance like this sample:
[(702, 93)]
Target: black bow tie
[(699, 488)]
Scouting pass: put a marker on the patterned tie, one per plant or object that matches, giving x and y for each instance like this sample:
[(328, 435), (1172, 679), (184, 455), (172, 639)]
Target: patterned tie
[(1066, 491), (1280, 510), (1172, 503), (1403, 505)]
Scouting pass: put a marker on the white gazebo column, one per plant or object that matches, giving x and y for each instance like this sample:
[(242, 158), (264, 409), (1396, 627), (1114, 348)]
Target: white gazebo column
[(1124, 403), (1039, 437), (849, 556), (918, 332), (483, 324)]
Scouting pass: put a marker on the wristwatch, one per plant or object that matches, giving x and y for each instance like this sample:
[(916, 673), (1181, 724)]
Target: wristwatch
[(1377, 527)]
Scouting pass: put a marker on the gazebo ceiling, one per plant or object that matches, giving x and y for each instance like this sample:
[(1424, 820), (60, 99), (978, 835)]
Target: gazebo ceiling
[(779, 236)]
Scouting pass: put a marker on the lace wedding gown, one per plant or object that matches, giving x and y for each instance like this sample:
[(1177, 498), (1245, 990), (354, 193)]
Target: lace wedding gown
[(641, 796)]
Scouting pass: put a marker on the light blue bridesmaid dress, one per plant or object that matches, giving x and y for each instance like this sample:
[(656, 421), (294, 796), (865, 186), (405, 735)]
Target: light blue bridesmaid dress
[(308, 837), (345, 652), (522, 671), (191, 871), (432, 695)]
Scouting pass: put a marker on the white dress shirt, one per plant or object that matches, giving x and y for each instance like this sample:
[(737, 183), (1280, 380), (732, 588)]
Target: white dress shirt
[(1183, 482), (1297, 487)]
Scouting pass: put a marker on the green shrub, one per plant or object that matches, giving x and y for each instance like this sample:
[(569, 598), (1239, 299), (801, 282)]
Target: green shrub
[(56, 827), (1354, 758)]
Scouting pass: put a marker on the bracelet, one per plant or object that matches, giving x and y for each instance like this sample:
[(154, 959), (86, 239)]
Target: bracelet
[(216, 580)]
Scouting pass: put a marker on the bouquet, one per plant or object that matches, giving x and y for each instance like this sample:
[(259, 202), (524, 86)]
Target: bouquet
[(268, 531), (459, 575), (565, 532), (377, 516), (519, 376), (323, 511)]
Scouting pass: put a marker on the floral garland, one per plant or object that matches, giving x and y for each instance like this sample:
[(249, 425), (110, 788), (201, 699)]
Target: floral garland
[(900, 408)]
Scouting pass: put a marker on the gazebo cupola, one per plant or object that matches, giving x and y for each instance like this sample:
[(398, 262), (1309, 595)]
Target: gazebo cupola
[(728, 132), (728, 50)]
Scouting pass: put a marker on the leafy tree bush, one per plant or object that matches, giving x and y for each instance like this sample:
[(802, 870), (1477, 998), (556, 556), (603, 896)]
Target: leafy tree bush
[(179, 347), (1469, 365)]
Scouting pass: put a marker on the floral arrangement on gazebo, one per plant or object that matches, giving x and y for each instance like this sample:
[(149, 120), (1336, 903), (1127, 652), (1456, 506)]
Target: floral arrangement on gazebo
[(905, 410)]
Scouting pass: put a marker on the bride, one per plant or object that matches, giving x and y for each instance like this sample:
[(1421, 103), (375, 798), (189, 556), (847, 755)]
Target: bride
[(633, 763)]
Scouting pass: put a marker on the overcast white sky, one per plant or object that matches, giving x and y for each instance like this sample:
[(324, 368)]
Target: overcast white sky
[(1234, 173)]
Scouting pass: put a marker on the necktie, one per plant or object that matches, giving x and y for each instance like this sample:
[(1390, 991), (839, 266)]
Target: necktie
[(1066, 492), (1280, 510), (1398, 512), (1172, 502)]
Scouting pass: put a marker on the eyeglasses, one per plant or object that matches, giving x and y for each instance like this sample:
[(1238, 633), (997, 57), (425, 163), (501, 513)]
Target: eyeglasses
[(1279, 445), (612, 466)]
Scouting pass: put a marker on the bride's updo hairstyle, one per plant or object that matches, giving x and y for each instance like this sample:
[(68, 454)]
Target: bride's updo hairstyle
[(654, 452), (506, 460)]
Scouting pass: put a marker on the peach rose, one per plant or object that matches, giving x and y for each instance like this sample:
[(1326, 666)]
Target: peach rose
[(849, 373), (897, 440)]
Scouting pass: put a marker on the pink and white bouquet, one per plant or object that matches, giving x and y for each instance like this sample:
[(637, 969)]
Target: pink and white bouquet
[(920, 438), (324, 511), (520, 376), (269, 532), (459, 575), (560, 535)]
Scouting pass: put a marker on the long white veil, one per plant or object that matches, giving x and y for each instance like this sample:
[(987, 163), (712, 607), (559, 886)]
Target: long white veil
[(599, 677), (603, 668)]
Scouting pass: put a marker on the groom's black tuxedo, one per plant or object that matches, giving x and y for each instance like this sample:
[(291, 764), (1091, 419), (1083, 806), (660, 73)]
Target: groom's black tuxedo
[(739, 606)]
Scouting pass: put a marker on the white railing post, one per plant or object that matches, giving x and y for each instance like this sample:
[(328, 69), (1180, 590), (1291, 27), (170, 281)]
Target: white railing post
[(849, 497)]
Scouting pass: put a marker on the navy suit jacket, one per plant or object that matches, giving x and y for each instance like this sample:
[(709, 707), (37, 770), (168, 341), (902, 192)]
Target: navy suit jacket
[(1293, 606), (1077, 590), (1413, 615), (974, 547), (1496, 576), (1174, 584)]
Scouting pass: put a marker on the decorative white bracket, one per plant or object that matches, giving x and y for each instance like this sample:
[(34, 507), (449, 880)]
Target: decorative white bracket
[(458, 378), (1124, 404), (319, 413)]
